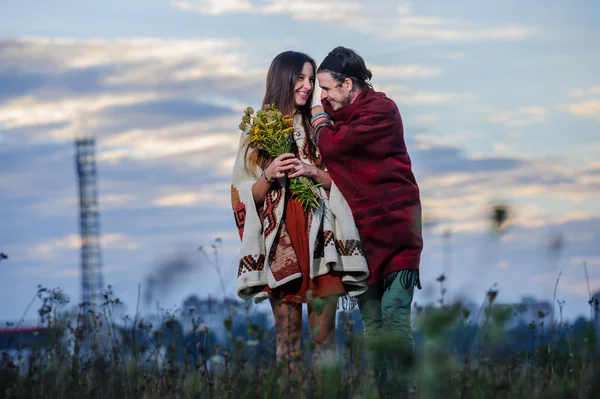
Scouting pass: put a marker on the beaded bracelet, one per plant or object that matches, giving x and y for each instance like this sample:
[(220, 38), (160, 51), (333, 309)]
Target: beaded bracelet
[(319, 119), (319, 114)]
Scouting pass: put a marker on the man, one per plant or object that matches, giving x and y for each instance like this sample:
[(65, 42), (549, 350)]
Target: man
[(360, 134)]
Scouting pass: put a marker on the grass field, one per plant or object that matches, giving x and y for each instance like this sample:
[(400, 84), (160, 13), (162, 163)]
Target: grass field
[(100, 356)]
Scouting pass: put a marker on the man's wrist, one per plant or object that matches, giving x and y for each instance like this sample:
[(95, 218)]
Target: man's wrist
[(318, 115)]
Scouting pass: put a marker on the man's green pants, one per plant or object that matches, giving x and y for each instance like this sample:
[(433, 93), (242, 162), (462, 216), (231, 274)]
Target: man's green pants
[(385, 310)]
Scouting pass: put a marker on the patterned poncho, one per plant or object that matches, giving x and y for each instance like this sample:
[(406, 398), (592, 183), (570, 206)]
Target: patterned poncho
[(333, 238), (366, 156)]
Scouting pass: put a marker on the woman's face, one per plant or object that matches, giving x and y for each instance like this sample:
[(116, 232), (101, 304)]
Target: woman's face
[(305, 84)]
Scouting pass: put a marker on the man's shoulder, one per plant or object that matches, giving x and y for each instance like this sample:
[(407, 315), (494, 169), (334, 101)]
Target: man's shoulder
[(382, 98), (378, 103)]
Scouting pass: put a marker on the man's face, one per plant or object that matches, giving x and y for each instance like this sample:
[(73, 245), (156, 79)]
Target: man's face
[(335, 93)]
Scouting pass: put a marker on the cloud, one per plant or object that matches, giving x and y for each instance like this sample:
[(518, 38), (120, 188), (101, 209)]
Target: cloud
[(387, 72), (90, 86), (62, 272), (590, 175), (410, 96), (425, 118), (214, 7), (145, 187), (151, 148), (590, 261), (439, 160), (160, 113), (585, 92), (211, 195), (56, 55), (326, 11), (50, 249), (158, 150), (144, 128), (580, 289), (385, 79), (587, 104), (457, 188), (379, 18), (524, 116), (14, 85), (586, 109), (137, 170), (501, 148), (30, 111), (447, 55), (437, 29), (453, 139)]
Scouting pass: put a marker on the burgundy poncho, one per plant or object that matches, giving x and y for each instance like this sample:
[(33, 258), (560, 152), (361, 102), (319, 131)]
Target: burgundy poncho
[(365, 154)]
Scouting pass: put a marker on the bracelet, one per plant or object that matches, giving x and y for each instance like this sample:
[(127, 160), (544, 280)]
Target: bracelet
[(263, 174), (320, 121), (318, 118), (318, 126), (315, 116)]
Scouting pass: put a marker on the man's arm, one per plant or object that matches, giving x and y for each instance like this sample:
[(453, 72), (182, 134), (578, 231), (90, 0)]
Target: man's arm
[(345, 134)]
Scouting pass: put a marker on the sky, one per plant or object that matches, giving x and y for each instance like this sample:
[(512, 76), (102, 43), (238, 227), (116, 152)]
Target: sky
[(500, 101)]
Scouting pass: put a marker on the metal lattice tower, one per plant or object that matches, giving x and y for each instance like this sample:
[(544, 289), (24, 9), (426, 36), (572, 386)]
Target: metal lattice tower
[(89, 222)]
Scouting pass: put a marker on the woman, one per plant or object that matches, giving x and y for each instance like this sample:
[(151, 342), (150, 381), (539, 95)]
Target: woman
[(289, 254)]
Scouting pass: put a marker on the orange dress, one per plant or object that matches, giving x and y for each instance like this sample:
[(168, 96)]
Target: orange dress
[(296, 221)]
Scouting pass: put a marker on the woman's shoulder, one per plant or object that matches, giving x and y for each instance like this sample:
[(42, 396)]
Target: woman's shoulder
[(299, 119)]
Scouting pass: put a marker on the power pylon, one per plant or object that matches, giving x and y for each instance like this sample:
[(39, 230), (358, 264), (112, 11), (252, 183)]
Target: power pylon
[(89, 222)]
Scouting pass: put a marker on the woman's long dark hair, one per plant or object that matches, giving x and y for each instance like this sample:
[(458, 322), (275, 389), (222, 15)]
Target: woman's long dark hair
[(283, 74)]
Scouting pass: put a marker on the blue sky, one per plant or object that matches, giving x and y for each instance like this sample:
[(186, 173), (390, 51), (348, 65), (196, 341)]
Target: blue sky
[(500, 102)]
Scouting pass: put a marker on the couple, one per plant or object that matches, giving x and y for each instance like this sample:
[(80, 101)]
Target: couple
[(363, 240)]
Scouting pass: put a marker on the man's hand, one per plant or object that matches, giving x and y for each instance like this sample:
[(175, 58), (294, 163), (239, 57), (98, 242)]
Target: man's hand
[(280, 166), (316, 109), (302, 169)]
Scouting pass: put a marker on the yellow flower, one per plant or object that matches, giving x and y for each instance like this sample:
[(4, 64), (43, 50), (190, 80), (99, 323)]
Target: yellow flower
[(270, 131)]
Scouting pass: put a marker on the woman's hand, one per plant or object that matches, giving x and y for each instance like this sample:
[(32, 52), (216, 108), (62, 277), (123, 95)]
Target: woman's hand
[(300, 168), (280, 166)]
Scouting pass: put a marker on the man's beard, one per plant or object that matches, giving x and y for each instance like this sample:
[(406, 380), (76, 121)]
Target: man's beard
[(341, 103)]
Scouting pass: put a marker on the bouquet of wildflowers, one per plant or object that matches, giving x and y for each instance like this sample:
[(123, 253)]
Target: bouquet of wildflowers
[(271, 131)]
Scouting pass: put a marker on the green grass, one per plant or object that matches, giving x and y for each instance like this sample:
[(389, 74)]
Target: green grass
[(89, 354)]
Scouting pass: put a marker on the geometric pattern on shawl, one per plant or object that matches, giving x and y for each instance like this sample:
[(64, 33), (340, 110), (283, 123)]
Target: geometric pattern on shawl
[(343, 247), (269, 214)]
